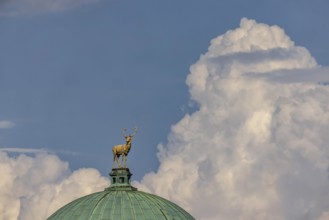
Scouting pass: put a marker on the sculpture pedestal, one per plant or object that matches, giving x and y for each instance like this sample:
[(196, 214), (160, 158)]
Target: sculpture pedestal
[(120, 179)]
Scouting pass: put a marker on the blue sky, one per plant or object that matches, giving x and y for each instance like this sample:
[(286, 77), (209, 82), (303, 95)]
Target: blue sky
[(70, 80), (231, 96)]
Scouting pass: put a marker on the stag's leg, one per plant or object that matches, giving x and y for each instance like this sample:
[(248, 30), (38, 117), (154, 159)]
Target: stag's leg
[(120, 166), (115, 158), (125, 160)]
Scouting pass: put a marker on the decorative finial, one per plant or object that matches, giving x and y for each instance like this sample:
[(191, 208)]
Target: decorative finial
[(123, 149)]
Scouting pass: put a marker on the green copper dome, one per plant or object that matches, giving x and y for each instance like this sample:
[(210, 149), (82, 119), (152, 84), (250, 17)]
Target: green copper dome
[(121, 201)]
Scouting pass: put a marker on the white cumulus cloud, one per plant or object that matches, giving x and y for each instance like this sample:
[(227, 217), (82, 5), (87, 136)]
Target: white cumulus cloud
[(6, 124), (257, 147), (33, 187), (16, 7), (23, 150)]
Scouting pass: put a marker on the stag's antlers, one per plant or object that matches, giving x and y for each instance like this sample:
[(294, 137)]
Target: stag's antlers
[(135, 131), (131, 135), (124, 132)]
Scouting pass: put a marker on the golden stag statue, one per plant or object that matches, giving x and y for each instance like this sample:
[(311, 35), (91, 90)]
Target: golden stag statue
[(123, 149)]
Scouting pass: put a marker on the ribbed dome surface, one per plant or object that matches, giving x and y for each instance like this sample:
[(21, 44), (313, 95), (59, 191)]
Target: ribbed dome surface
[(121, 201), (121, 205)]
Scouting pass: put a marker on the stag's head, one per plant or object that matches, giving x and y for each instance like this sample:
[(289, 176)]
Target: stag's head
[(129, 137)]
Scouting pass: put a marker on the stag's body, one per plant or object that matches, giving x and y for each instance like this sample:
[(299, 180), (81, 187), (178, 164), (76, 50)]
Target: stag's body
[(123, 149)]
